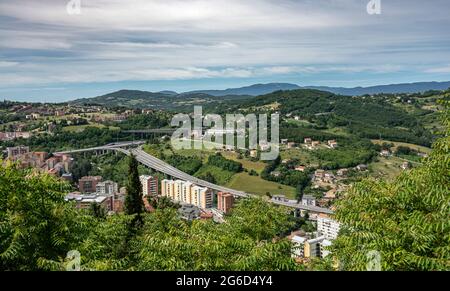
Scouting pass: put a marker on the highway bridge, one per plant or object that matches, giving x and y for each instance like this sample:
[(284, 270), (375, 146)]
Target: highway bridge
[(161, 166)]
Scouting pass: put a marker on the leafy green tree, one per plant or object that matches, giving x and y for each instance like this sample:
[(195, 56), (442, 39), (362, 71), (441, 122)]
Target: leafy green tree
[(406, 221), (37, 226), (97, 211)]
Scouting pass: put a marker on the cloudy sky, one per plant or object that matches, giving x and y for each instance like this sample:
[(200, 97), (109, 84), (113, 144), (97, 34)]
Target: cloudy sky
[(48, 54)]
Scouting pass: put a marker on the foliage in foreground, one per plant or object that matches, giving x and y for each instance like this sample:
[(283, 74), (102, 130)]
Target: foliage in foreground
[(38, 228), (406, 221)]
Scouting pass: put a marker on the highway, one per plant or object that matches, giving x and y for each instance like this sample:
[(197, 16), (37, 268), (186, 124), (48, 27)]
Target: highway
[(161, 166)]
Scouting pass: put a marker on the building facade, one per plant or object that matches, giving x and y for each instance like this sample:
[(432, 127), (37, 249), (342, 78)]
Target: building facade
[(150, 185), (225, 202), (328, 227), (186, 192), (88, 184)]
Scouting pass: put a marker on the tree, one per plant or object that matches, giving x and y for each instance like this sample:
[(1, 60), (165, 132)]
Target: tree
[(133, 201), (37, 227), (97, 211), (406, 221)]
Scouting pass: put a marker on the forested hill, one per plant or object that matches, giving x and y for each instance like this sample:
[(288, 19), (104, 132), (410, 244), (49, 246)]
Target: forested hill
[(156, 100), (373, 117)]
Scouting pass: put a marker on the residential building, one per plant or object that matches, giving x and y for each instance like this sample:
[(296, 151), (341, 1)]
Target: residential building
[(202, 197), (308, 200), (361, 167), (342, 172), (307, 247), (107, 188), (186, 192), (167, 188), (319, 174), (332, 144), (225, 202), (84, 201), (291, 145), (88, 184), (15, 152), (307, 140), (385, 153), (150, 185), (328, 227), (254, 153), (300, 168)]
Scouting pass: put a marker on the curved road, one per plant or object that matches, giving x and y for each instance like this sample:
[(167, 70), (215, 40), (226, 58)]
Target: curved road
[(160, 166)]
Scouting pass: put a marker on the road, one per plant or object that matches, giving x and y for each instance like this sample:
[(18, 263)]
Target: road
[(161, 166)]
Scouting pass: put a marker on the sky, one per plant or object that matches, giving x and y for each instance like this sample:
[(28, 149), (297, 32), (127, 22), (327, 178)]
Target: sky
[(51, 53)]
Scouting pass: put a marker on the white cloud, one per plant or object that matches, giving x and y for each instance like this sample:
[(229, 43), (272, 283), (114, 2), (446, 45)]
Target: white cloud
[(445, 69), (116, 40)]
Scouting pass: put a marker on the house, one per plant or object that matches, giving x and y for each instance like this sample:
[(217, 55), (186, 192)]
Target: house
[(319, 174), (307, 140), (315, 143), (275, 173), (331, 194), (342, 172), (291, 145), (332, 143), (385, 153), (329, 178), (300, 168), (254, 153), (285, 161), (284, 141), (361, 167)]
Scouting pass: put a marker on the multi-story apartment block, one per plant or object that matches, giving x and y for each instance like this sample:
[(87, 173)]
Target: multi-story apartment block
[(14, 152), (88, 184), (328, 227), (187, 192), (225, 202), (107, 188), (167, 188), (149, 185)]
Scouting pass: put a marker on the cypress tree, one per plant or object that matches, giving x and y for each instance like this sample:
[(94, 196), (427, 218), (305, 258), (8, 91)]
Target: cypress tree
[(133, 201)]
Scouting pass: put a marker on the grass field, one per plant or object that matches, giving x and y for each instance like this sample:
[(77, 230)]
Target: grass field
[(256, 185), (221, 176), (397, 144), (304, 156), (386, 168), (80, 128), (249, 165)]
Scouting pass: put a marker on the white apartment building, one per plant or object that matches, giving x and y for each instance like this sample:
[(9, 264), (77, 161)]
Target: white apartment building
[(167, 188), (328, 227), (305, 247), (107, 188), (187, 192)]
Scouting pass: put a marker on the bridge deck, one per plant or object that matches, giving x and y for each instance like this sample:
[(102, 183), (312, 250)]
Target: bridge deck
[(161, 166)]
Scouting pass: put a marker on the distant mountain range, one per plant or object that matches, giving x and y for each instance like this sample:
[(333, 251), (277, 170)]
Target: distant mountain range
[(261, 89), (171, 99), (253, 90)]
